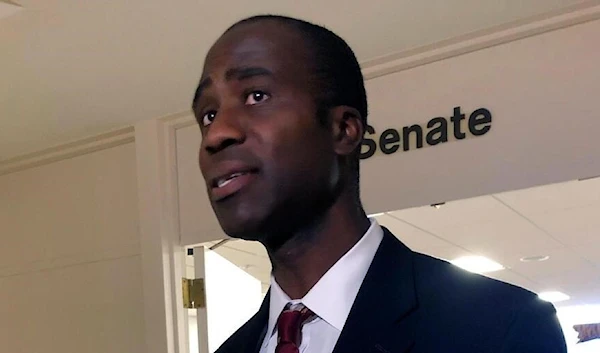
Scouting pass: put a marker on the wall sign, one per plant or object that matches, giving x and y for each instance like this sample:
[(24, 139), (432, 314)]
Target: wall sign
[(435, 132)]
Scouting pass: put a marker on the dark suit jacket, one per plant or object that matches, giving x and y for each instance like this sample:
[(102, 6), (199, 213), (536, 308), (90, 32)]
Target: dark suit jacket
[(410, 302)]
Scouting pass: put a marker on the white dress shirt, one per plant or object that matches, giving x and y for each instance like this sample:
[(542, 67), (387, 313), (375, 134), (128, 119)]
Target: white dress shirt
[(331, 298)]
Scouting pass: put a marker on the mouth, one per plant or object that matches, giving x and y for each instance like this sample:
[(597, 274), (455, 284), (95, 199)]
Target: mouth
[(231, 183)]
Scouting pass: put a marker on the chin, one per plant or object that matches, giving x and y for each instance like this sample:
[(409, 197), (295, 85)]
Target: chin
[(246, 227), (249, 220), (243, 233)]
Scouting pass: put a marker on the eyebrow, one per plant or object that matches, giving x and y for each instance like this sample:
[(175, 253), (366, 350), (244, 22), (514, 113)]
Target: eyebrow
[(244, 73), (236, 73)]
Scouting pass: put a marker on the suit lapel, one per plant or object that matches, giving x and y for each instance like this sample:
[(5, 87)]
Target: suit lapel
[(382, 318)]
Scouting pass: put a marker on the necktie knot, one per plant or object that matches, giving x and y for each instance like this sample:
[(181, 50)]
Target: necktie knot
[(289, 328)]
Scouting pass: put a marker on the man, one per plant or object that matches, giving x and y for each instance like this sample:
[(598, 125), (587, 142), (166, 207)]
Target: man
[(282, 109)]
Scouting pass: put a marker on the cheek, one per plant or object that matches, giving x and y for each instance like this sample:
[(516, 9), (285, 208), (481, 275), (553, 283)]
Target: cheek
[(295, 146), (204, 163), (303, 157), (201, 161)]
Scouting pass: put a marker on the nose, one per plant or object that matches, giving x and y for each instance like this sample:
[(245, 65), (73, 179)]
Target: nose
[(223, 132)]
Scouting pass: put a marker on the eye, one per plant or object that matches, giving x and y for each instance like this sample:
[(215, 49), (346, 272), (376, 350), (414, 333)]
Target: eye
[(256, 97), (209, 117)]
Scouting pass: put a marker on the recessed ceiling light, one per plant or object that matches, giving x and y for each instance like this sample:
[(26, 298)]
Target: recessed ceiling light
[(477, 264), (553, 296), (437, 206), (376, 214), (535, 258)]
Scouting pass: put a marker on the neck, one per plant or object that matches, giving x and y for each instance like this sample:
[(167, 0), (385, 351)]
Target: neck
[(310, 253)]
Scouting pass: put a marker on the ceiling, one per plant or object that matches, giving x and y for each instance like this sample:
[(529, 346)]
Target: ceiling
[(72, 69), (560, 221), (8, 8)]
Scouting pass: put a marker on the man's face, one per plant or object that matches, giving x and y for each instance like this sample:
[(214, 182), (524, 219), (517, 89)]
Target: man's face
[(269, 165)]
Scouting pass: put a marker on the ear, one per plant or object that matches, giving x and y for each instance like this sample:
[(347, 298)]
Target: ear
[(347, 129)]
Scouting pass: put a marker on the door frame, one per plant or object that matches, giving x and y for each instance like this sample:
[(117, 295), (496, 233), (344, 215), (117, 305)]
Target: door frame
[(163, 255)]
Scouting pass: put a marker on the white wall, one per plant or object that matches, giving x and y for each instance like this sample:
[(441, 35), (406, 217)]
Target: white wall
[(70, 256), (232, 298), (579, 315), (541, 91)]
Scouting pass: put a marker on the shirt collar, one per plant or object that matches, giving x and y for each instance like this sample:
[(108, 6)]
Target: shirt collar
[(331, 298)]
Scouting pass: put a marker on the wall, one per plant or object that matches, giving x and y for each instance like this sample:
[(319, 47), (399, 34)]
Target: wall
[(541, 92), (70, 264), (232, 298)]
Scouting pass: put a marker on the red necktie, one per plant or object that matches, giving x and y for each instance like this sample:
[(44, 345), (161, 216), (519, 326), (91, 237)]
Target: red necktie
[(289, 329)]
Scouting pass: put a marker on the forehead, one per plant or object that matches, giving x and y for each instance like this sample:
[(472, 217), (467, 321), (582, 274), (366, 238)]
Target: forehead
[(268, 44)]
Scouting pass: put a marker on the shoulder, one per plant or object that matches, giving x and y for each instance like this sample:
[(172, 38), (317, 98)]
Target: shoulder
[(442, 285), (433, 274), (494, 313)]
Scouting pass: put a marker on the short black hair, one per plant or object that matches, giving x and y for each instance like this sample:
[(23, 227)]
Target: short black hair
[(336, 68)]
